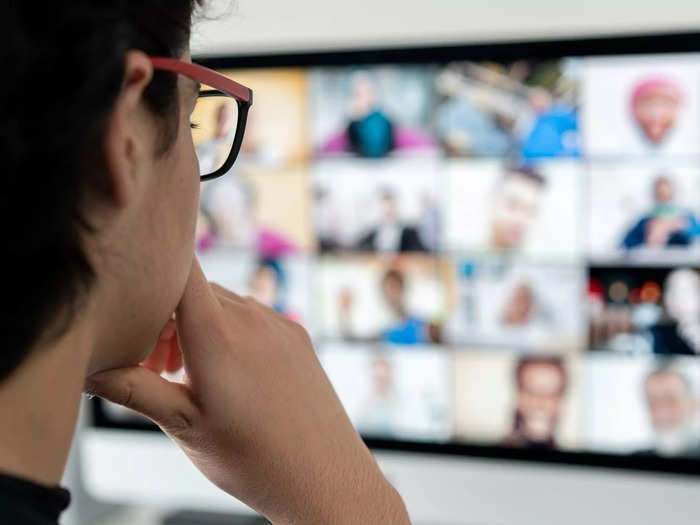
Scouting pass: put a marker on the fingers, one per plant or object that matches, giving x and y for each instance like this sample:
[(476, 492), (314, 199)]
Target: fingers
[(199, 310), (160, 358), (168, 404), (198, 301), (220, 291), (174, 361), (169, 330)]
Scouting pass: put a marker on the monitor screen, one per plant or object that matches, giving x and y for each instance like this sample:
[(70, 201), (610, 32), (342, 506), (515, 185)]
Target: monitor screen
[(491, 256)]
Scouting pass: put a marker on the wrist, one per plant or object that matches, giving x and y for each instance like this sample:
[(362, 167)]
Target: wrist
[(372, 500), (351, 499)]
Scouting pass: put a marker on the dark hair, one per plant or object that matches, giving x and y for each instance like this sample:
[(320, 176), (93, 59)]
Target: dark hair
[(526, 172), (66, 66)]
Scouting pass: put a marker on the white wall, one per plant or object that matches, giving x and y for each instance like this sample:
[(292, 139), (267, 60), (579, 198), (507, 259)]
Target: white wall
[(259, 26)]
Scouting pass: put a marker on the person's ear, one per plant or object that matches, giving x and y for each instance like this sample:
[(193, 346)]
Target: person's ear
[(124, 144)]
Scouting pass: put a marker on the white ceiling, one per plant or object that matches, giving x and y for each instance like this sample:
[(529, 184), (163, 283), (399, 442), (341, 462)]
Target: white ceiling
[(240, 27)]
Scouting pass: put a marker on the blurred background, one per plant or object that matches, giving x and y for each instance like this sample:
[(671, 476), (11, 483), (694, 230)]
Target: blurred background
[(495, 252)]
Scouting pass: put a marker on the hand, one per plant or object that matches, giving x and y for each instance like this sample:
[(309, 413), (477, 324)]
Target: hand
[(257, 415), (166, 357), (660, 229)]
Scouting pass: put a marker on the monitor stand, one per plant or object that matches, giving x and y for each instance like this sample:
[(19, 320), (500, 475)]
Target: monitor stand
[(211, 518)]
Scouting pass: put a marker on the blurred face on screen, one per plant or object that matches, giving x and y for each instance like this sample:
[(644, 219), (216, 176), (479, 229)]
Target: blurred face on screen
[(540, 396), (519, 308), (515, 207), (663, 190), (655, 106), (669, 399), (231, 209), (362, 95), (225, 119), (393, 291), (264, 286), (382, 377), (388, 208), (539, 99), (671, 410)]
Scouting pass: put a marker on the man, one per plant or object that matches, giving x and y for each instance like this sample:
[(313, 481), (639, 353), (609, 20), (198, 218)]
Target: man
[(666, 224), (405, 328), (656, 103), (672, 413), (370, 131), (520, 308), (390, 235), (268, 285), (516, 204), (541, 384), (379, 412)]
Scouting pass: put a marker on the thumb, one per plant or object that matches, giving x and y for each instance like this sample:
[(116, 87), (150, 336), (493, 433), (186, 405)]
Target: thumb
[(168, 404)]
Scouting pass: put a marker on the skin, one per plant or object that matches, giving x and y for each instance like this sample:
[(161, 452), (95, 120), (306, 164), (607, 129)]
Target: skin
[(670, 403), (515, 208), (382, 377), (540, 399), (660, 229), (362, 96), (393, 292), (656, 112), (225, 120), (663, 190), (388, 209), (257, 414), (264, 286), (519, 308)]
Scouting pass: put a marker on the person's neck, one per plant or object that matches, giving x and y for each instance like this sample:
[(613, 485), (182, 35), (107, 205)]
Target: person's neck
[(39, 406)]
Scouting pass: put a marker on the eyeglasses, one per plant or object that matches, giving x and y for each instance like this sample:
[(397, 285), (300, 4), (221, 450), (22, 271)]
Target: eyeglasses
[(219, 117)]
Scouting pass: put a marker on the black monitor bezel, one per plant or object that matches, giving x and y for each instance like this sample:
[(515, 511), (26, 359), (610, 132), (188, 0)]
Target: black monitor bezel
[(631, 44)]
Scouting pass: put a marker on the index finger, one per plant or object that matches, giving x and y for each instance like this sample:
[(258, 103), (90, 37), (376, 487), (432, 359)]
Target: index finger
[(197, 310), (198, 298)]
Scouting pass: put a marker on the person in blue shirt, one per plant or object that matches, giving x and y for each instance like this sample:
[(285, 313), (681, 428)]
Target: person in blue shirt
[(666, 224), (406, 329), (554, 132)]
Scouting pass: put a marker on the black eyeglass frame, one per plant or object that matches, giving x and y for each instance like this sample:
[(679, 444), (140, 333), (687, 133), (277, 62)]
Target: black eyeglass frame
[(224, 87), (243, 108)]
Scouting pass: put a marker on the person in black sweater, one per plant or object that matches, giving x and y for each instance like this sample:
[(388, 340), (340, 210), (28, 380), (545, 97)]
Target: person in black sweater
[(390, 234), (103, 291)]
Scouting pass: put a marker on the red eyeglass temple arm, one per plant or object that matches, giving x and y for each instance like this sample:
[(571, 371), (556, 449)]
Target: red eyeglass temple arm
[(204, 75)]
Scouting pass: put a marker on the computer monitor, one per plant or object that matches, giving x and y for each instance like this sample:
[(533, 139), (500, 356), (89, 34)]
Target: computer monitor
[(495, 250)]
